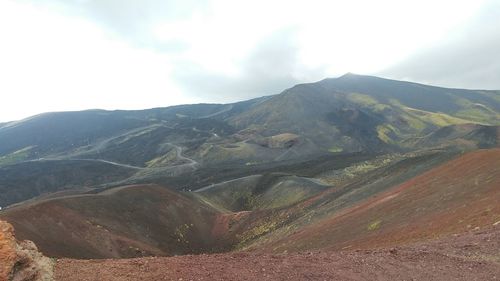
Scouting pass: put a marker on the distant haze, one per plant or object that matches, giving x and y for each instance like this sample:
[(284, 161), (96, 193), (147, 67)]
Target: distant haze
[(126, 54)]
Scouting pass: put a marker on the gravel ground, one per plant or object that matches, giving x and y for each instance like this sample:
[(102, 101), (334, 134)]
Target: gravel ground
[(471, 256)]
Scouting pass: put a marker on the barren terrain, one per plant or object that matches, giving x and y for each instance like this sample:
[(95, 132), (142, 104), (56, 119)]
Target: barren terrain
[(469, 256)]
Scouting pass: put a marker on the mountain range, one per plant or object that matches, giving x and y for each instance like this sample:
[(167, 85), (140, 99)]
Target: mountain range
[(354, 162)]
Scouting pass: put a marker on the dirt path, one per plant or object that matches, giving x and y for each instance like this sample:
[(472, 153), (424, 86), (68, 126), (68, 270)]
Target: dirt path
[(88, 160), (190, 162), (179, 155), (205, 188), (472, 256), (112, 163)]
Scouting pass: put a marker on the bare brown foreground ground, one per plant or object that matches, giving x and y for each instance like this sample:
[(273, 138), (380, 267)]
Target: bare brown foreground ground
[(471, 256)]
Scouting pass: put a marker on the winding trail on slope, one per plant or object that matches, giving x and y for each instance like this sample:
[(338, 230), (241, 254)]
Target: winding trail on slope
[(208, 187), (88, 160), (191, 162), (215, 185), (179, 155)]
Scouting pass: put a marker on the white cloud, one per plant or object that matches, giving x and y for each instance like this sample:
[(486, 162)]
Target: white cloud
[(468, 59), (66, 55), (51, 63)]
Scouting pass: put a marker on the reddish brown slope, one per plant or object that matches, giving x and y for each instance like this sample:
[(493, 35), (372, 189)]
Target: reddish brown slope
[(471, 256), (457, 196), (128, 221)]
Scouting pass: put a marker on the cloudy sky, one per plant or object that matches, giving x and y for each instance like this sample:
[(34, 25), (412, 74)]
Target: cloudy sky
[(130, 54)]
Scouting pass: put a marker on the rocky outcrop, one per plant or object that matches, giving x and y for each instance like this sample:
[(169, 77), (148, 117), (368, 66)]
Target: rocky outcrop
[(7, 250), (21, 261)]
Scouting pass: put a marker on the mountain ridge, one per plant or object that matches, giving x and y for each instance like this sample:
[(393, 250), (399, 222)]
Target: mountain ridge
[(349, 114), (331, 169)]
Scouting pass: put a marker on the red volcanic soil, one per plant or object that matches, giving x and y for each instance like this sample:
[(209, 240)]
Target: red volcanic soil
[(470, 256), (443, 224), (446, 222), (130, 221), (460, 195)]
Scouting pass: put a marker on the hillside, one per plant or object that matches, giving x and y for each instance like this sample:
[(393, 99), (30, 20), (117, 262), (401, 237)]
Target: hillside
[(345, 115), (352, 172), (412, 211), (470, 256), (270, 212), (364, 109), (123, 222), (457, 196), (464, 136), (30, 179)]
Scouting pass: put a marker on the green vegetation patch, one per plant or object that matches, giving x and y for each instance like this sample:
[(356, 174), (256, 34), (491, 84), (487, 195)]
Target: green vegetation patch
[(16, 156), (181, 233), (335, 149), (359, 169), (362, 99), (163, 160), (260, 230), (480, 115), (383, 132), (130, 136), (367, 101), (286, 193), (257, 231), (374, 225), (436, 118), (476, 112), (236, 195), (414, 122)]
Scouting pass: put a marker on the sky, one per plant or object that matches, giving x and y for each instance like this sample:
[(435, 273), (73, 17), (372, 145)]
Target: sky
[(60, 55)]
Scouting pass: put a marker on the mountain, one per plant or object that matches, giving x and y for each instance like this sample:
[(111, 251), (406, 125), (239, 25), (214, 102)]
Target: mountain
[(363, 204), (328, 171), (349, 114)]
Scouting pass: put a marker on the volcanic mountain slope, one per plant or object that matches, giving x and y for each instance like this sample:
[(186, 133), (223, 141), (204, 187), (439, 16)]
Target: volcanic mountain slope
[(455, 102), (469, 256), (29, 179), (348, 187), (457, 196), (352, 113), (357, 112), (391, 201), (243, 213), (259, 192), (355, 162), (122, 222), (153, 220), (469, 136)]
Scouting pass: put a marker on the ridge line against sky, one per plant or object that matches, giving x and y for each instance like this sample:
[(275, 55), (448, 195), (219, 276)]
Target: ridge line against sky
[(59, 55)]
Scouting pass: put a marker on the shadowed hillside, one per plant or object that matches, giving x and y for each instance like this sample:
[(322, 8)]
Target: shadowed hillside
[(30, 179)]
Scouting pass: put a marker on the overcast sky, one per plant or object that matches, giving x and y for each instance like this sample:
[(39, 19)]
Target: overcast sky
[(130, 54)]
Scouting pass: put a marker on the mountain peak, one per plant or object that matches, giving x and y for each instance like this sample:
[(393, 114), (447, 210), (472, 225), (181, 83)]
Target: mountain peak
[(348, 75)]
